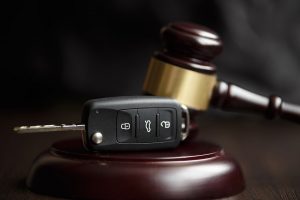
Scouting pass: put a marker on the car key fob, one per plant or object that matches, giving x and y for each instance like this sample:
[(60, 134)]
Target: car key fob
[(127, 123), (134, 123)]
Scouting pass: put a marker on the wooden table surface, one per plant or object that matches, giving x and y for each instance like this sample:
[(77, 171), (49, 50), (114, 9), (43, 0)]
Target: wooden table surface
[(268, 151)]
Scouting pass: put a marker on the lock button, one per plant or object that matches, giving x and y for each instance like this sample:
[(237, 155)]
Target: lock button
[(126, 126)]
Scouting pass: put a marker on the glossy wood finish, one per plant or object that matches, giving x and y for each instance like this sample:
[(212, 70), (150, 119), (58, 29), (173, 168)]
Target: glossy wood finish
[(190, 46), (233, 98), (193, 47), (195, 170), (267, 152)]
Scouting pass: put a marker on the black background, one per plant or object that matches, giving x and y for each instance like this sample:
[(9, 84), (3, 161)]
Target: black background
[(72, 51)]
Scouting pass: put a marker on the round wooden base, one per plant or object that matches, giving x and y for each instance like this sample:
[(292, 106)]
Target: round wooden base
[(194, 170)]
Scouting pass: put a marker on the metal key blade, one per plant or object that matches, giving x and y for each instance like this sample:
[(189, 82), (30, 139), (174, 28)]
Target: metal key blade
[(49, 128)]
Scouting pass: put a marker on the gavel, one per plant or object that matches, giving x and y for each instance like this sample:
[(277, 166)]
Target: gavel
[(183, 70)]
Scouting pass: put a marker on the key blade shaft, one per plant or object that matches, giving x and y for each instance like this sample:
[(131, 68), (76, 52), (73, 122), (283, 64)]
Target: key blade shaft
[(49, 128)]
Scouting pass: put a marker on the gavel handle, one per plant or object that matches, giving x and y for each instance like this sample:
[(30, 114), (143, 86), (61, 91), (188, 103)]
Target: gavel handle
[(227, 96)]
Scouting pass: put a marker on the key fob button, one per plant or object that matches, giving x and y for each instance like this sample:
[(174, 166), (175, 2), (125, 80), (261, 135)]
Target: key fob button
[(147, 125), (167, 124), (132, 123), (126, 126)]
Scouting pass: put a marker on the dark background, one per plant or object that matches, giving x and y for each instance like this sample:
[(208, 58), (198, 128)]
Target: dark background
[(79, 50), (56, 55)]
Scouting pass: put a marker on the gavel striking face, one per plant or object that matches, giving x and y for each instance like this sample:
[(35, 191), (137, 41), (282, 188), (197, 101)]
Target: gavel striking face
[(183, 70)]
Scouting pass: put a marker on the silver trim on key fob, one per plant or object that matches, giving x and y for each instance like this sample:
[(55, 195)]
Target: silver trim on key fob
[(185, 122)]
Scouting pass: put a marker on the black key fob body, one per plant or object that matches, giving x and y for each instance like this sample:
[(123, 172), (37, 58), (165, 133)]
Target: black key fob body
[(134, 123)]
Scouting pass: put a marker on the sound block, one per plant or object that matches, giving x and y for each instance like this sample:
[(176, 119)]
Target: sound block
[(194, 170)]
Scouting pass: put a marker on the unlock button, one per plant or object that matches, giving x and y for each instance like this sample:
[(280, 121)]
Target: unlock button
[(167, 124)]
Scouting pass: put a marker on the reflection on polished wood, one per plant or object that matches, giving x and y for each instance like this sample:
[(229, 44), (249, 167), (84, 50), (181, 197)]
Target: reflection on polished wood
[(192, 48), (266, 151), (194, 170)]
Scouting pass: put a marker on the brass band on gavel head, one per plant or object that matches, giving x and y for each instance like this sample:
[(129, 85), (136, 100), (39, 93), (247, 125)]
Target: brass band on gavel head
[(183, 68), (191, 88)]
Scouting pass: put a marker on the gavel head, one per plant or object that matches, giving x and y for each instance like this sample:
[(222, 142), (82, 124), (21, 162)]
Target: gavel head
[(182, 69)]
